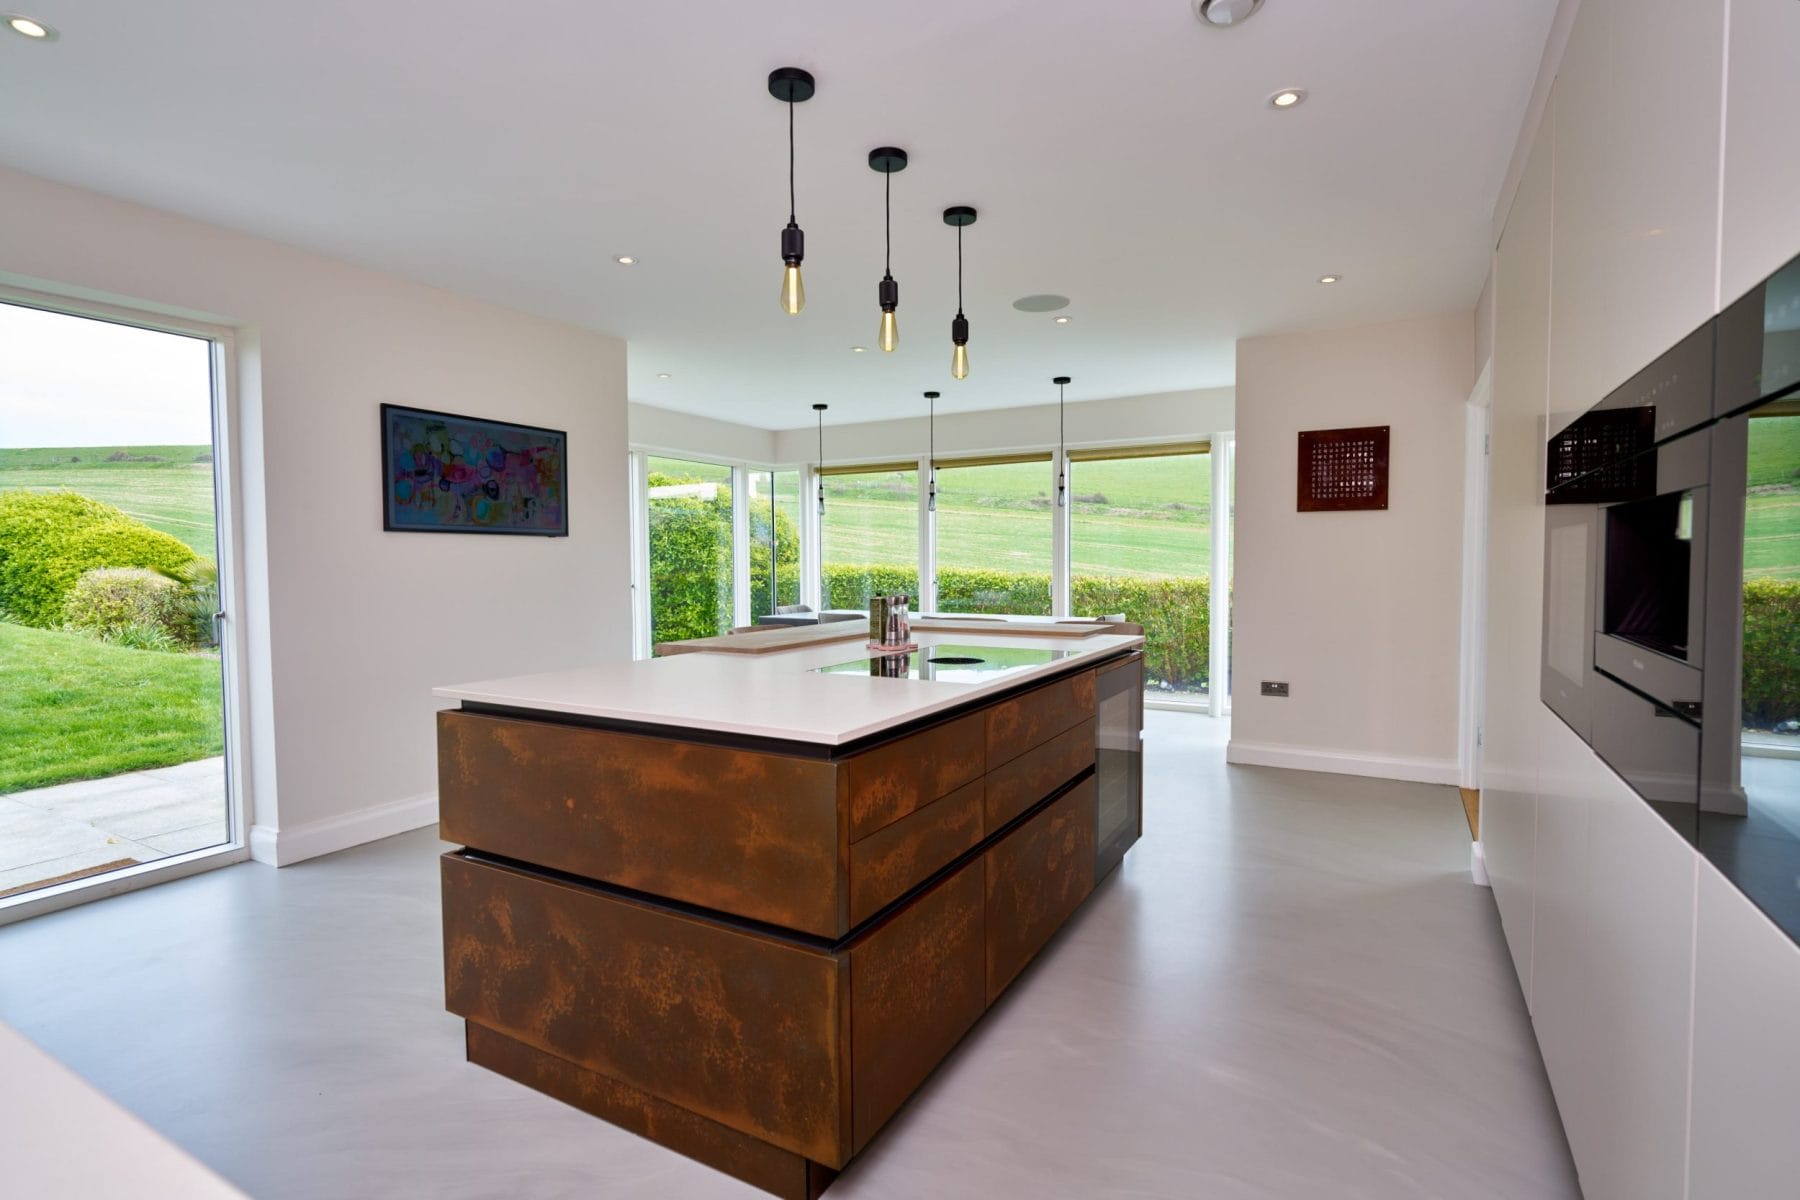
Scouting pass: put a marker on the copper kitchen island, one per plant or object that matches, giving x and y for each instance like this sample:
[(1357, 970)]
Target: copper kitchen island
[(743, 905)]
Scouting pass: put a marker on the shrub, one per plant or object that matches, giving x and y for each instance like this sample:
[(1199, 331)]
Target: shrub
[(106, 600), (48, 540), (1771, 650)]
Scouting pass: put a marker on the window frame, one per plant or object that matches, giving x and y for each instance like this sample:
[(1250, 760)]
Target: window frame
[(235, 681), (1221, 446)]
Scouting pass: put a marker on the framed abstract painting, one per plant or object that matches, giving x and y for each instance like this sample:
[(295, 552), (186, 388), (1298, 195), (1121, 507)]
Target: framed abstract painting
[(442, 473)]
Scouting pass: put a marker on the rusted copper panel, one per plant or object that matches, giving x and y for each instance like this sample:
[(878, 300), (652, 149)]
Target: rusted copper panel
[(737, 1154), (884, 784), (890, 862), (1016, 725), (741, 1028), (744, 832), (1021, 783), (1037, 875), (917, 983)]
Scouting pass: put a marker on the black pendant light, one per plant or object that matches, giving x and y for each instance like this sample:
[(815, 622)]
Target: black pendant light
[(931, 451), (1062, 454), (887, 160), (791, 85), (960, 215), (820, 471)]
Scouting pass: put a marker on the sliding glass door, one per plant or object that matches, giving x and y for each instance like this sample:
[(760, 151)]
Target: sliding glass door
[(690, 534), (1141, 545), (112, 726)]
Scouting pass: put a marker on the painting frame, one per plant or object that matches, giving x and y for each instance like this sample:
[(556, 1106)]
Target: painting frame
[(393, 511)]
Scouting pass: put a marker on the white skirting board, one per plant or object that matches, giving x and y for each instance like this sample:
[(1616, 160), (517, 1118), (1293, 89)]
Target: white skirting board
[(296, 843), (1342, 762)]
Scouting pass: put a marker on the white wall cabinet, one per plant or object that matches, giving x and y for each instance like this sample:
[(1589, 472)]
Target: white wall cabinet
[(1666, 1005), (1509, 732), (1746, 1049), (1761, 226)]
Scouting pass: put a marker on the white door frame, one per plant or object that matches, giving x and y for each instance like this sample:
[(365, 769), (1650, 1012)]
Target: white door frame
[(234, 681), (1473, 669)]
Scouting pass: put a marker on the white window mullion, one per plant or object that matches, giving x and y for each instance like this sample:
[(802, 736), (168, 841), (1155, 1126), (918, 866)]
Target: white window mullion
[(740, 546), (1059, 536), (638, 475), (926, 600), (1219, 588), (811, 549)]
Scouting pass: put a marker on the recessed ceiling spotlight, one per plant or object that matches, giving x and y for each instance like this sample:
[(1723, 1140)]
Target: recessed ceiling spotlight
[(1329, 278), (1225, 13), (1042, 302), (1062, 320), (626, 260), (859, 349), (1287, 98), (31, 28), (663, 375)]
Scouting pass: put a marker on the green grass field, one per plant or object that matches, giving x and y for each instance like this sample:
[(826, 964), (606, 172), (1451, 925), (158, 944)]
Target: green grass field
[(174, 495), (1772, 511), (1137, 517), (77, 708)]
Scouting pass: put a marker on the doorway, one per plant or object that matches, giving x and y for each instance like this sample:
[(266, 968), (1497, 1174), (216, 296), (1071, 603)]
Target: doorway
[(116, 648)]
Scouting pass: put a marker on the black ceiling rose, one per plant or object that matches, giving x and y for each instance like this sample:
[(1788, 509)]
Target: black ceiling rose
[(887, 159), (791, 85), (959, 215)]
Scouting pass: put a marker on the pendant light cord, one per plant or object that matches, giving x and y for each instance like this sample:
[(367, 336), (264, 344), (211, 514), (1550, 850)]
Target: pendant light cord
[(959, 230), (790, 162), (887, 219)]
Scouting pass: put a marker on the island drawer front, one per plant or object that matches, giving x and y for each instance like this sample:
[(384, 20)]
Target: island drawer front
[(1037, 876), (890, 862), (743, 1029), (1017, 725), (1027, 779), (746, 833), (886, 783), (917, 984)]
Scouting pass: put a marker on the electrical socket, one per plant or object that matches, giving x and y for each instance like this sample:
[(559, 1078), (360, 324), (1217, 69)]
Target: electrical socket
[(1274, 687)]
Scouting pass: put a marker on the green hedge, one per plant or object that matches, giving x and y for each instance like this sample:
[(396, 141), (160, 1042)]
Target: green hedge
[(690, 562), (1174, 612), (1771, 651), (49, 540)]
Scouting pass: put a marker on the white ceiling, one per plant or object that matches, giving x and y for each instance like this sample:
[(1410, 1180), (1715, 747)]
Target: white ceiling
[(1120, 153)]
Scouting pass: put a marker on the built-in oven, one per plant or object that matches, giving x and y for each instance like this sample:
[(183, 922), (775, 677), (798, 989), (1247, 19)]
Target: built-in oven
[(1118, 759), (1672, 590), (1624, 542)]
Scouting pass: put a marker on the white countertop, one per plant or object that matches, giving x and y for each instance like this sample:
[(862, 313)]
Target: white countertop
[(59, 1136), (776, 695)]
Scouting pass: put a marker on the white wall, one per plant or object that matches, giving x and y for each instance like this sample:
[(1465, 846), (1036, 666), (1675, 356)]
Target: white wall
[(664, 431), (1657, 185), (1125, 421), (350, 627), (1357, 611)]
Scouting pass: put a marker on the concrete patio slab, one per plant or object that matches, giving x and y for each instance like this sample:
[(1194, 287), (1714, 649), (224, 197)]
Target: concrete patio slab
[(47, 833)]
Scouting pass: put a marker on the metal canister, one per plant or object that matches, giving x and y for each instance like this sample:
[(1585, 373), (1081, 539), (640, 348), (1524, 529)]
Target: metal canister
[(878, 619)]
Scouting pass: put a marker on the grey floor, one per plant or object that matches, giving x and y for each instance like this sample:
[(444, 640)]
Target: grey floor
[(1290, 989)]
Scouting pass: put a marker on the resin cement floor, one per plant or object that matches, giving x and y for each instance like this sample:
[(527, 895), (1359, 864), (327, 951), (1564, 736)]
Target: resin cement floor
[(1291, 989)]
